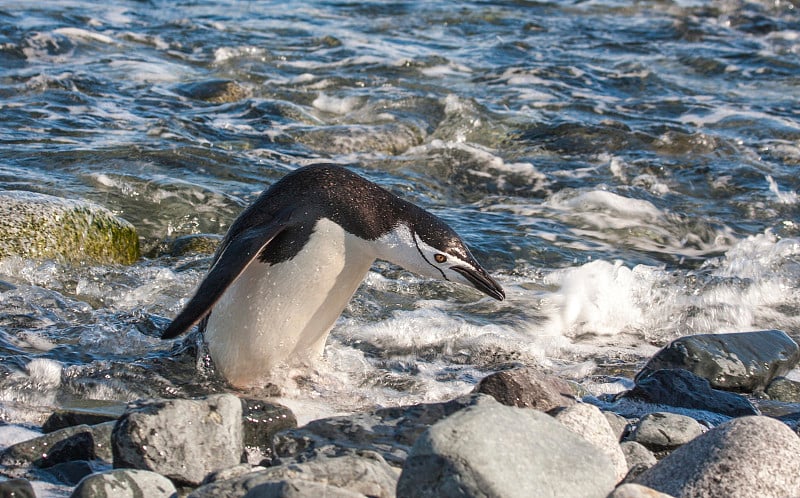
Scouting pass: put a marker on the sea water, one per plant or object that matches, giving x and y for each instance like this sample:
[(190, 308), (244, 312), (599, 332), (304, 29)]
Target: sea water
[(626, 170)]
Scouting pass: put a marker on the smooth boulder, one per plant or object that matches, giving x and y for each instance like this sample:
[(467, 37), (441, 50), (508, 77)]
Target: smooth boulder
[(493, 450), (527, 388), (742, 361), (745, 457), (125, 483), (41, 226)]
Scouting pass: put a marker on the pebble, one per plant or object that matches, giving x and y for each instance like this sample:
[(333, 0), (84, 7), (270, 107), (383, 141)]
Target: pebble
[(527, 388), (496, 450), (182, 439), (662, 431), (125, 483), (745, 457), (742, 361)]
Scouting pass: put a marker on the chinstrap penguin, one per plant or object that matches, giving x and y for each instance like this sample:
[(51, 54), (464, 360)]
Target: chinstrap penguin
[(293, 259)]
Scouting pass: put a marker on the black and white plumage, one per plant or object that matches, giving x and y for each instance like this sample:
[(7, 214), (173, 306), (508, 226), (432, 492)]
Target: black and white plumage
[(293, 259)]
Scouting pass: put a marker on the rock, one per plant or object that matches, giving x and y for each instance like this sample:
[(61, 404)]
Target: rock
[(262, 420), (125, 483), (216, 91), (71, 473), (527, 388), (73, 443), (619, 424), (496, 450), (783, 389), (745, 457), (296, 488), (743, 362), (588, 422), (16, 488), (389, 431), (182, 439), (661, 431), (84, 412), (43, 226), (365, 474), (631, 490), (637, 454), (102, 441), (681, 388), (188, 244)]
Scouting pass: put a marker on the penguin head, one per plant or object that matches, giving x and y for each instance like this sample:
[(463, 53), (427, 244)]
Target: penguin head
[(428, 247)]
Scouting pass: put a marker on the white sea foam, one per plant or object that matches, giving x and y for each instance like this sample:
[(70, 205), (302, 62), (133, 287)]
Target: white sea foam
[(337, 105), (789, 197)]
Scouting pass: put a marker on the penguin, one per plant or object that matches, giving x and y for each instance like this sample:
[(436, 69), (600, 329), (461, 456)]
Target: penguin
[(292, 260)]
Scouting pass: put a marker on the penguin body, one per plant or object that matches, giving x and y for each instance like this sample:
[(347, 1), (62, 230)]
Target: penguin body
[(293, 259)]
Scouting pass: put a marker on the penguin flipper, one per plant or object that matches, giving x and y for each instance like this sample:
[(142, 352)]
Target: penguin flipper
[(229, 264)]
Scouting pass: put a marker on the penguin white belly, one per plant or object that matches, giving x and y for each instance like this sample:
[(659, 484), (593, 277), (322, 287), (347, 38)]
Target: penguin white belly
[(282, 314)]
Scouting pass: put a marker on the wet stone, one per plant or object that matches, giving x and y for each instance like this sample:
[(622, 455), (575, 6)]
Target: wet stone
[(681, 388), (84, 412), (183, 439), (72, 443), (186, 245), (527, 388), (16, 488), (70, 473), (743, 362), (216, 91), (262, 420)]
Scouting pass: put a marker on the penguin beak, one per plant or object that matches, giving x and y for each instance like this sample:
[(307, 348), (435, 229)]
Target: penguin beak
[(481, 281)]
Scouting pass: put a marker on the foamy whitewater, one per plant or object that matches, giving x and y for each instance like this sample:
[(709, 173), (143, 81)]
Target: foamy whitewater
[(626, 171)]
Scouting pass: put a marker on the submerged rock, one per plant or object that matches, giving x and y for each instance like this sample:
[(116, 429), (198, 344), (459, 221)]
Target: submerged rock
[(42, 226), (527, 388), (262, 420), (216, 91), (201, 243), (496, 450), (681, 388), (364, 474), (746, 457), (125, 483), (744, 361), (184, 440)]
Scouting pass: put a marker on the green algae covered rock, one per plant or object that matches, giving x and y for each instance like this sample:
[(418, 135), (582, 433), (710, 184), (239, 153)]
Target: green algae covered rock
[(41, 226)]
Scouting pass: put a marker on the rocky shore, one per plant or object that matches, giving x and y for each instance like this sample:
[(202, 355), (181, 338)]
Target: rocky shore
[(708, 415)]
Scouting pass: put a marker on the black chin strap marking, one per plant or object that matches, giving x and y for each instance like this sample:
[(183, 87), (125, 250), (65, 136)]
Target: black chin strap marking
[(414, 238)]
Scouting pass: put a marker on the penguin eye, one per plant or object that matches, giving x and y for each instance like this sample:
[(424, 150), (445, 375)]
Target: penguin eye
[(440, 258)]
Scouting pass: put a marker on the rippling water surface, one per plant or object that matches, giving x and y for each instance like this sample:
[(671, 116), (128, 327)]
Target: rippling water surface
[(627, 170)]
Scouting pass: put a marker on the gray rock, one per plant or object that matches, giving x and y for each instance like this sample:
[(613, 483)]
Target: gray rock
[(72, 472), (364, 474), (496, 450), (216, 91), (783, 389), (389, 431), (16, 488), (662, 431), (744, 361), (125, 483), (182, 439), (296, 488), (43, 226), (527, 388), (73, 443), (84, 412), (746, 457), (200, 243), (618, 423), (631, 490), (637, 454), (681, 388), (588, 422)]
